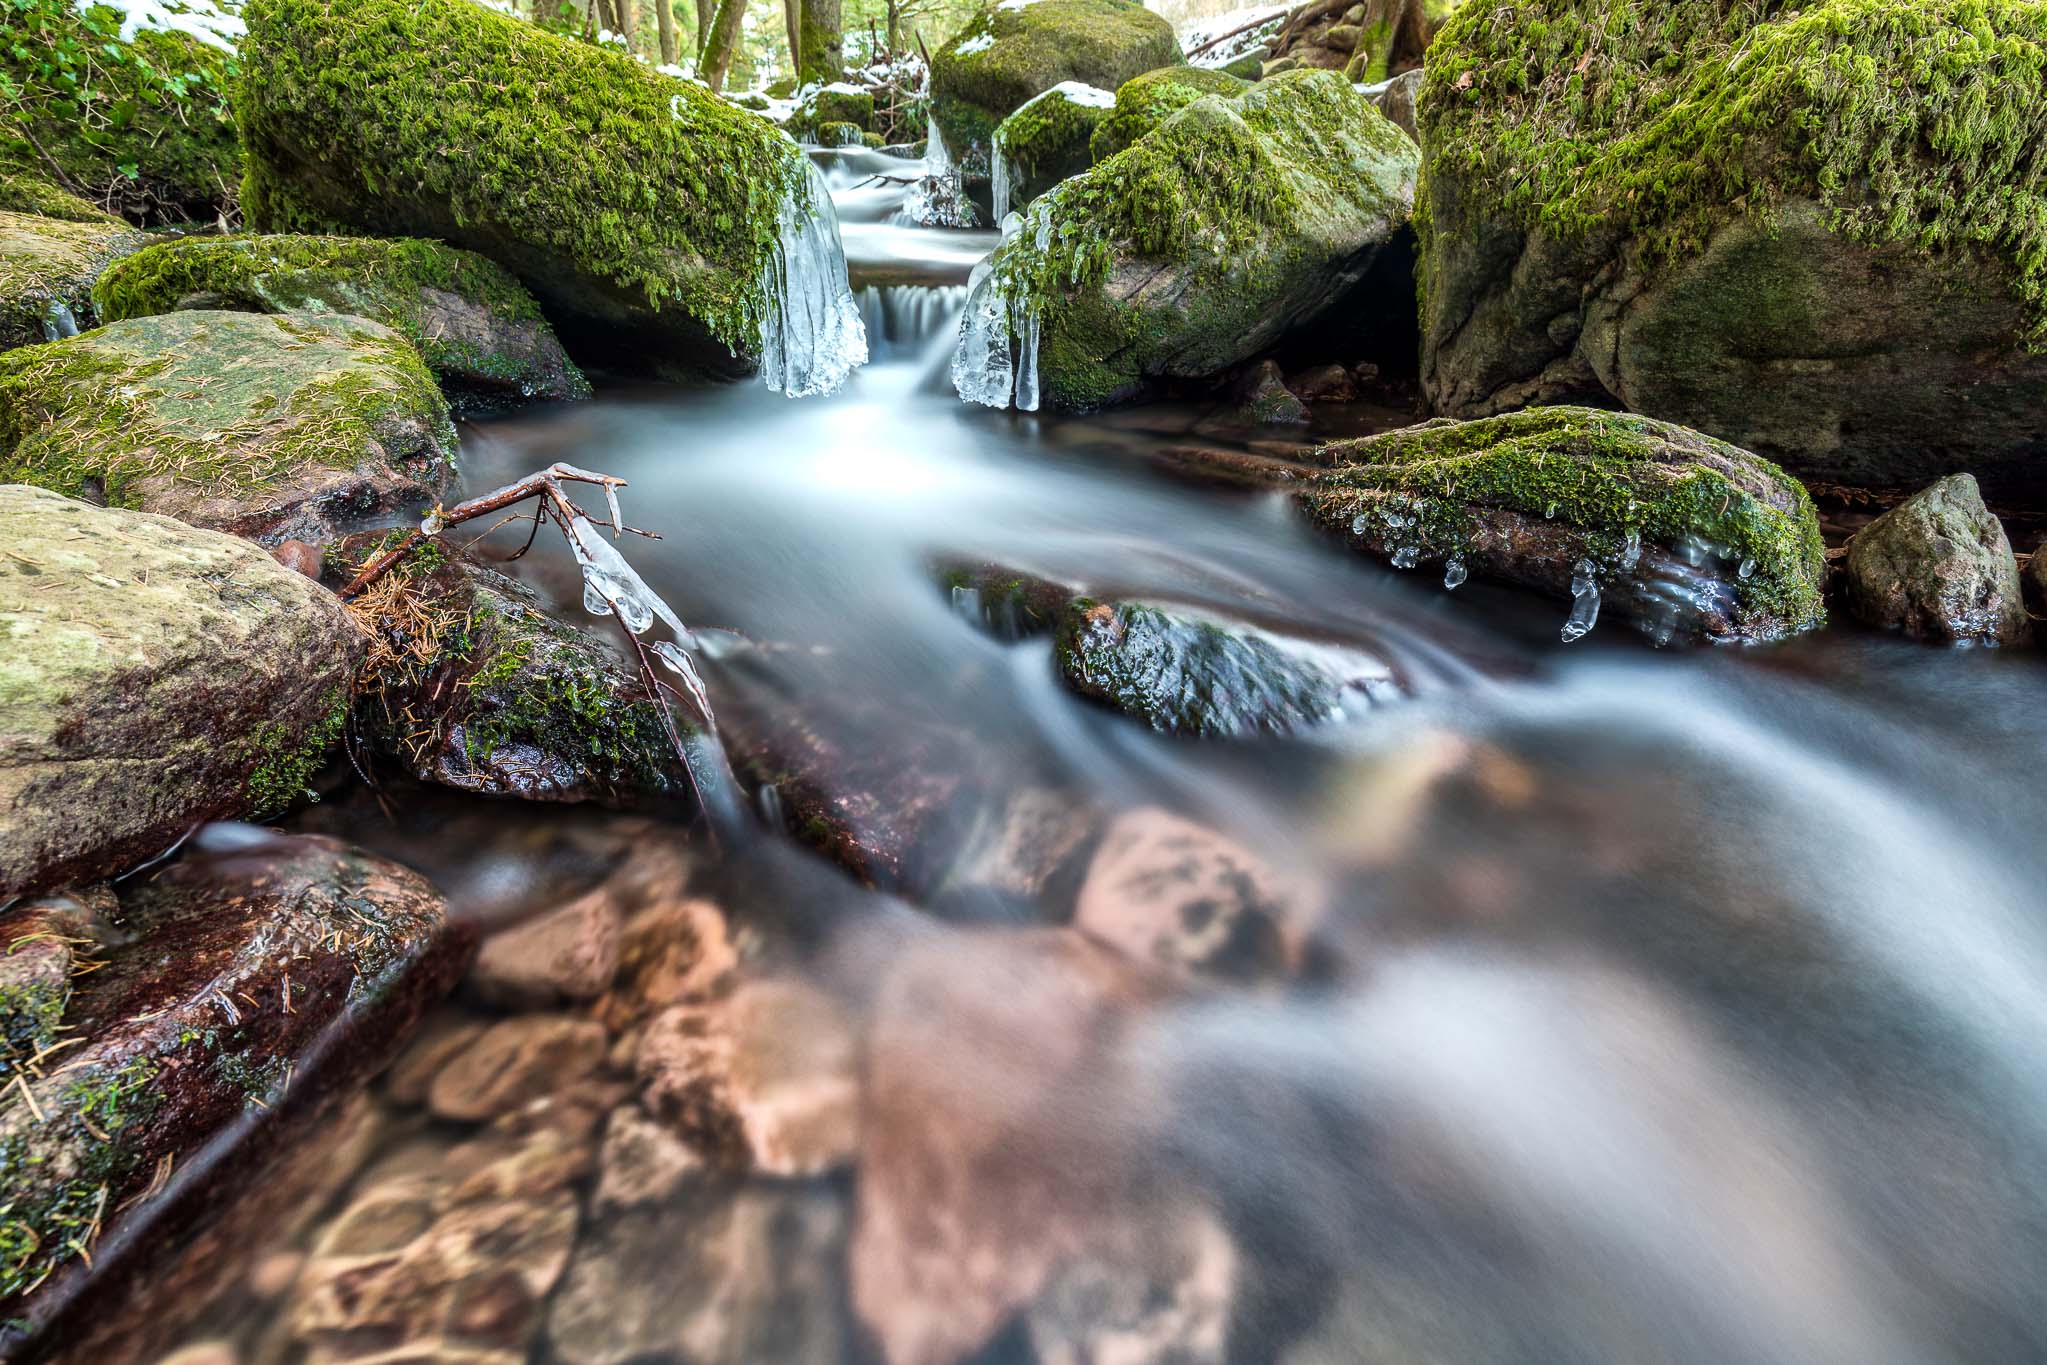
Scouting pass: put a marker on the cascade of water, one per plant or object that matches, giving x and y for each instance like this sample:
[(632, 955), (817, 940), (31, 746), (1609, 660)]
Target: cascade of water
[(906, 316), (811, 336)]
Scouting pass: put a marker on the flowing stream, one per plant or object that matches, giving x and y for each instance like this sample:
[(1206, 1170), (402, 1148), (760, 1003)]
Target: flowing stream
[(1630, 1005)]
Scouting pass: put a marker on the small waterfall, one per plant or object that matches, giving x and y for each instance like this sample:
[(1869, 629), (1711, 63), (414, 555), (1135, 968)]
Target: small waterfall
[(937, 200), (811, 336), (906, 317)]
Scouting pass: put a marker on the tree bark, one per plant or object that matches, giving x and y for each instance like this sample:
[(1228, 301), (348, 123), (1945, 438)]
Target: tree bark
[(720, 44), (822, 56), (707, 12), (664, 23), (792, 22), (628, 23)]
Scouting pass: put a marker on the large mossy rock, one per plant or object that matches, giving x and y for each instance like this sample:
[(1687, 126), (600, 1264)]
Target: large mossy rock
[(1046, 141), (643, 211), (1144, 102), (47, 269), (283, 427), (132, 116), (236, 998), (1193, 250), (152, 676), (473, 684), (1938, 567), (1819, 232), (476, 327), (1012, 52), (1685, 536)]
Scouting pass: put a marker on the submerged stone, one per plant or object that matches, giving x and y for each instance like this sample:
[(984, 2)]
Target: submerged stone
[(1012, 52), (1195, 249), (152, 677), (661, 228), (241, 992), (1766, 224), (47, 269), (473, 683), (1144, 102), (475, 326), (277, 428), (1686, 536), (1938, 567)]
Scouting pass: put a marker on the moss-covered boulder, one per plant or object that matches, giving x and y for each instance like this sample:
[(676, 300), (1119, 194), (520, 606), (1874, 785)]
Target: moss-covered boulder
[(27, 191), (1683, 535), (473, 684), (1193, 250), (280, 427), (1144, 102), (128, 110), (236, 998), (1816, 230), (839, 135), (152, 676), (47, 269), (1938, 567), (1046, 141), (644, 212), (1010, 52), (475, 326), (840, 102)]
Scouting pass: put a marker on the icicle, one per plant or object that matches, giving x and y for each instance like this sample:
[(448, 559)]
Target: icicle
[(982, 369), (811, 334), (1001, 173), (1027, 360), (612, 585), (58, 322), (1584, 601)]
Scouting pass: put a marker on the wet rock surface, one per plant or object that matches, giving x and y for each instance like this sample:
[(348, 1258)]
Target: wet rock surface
[(512, 1063), (473, 683), (278, 428), (1938, 567), (153, 677), (560, 956), (476, 327), (240, 993), (47, 269), (760, 1080), (1686, 536)]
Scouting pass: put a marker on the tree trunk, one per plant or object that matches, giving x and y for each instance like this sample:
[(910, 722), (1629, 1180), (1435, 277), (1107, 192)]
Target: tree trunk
[(628, 23), (707, 11), (822, 55), (792, 22), (720, 44), (664, 22)]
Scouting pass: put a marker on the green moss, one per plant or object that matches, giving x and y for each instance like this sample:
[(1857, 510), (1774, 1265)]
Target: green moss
[(831, 105), (1006, 55), (1045, 142), (286, 763), (651, 184), (50, 1215), (29, 1015), (838, 135), (49, 260), (26, 192), (140, 126), (1916, 121), (1627, 479), (386, 280), (218, 402), (1222, 192), (1146, 101)]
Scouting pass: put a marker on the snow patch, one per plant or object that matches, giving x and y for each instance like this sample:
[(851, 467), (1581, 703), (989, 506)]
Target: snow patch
[(216, 23), (1083, 94)]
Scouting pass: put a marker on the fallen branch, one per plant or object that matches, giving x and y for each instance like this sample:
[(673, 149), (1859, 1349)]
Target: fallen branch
[(1221, 38)]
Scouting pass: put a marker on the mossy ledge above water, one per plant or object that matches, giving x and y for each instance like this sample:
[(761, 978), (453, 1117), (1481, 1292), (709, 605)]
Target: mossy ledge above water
[(641, 209), (1916, 121), (474, 325), (1146, 101), (1529, 496)]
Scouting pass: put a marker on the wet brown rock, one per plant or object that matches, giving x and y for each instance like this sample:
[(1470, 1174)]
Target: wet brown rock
[(1938, 567), (565, 955), (298, 556), (1172, 894), (249, 988), (514, 1062), (1037, 835), (1396, 100), (2035, 581), (1262, 396), (976, 1187), (203, 1353), (724, 1273), (761, 1080), (672, 952), (1158, 1288), (1324, 384), (445, 1037), (642, 1162)]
